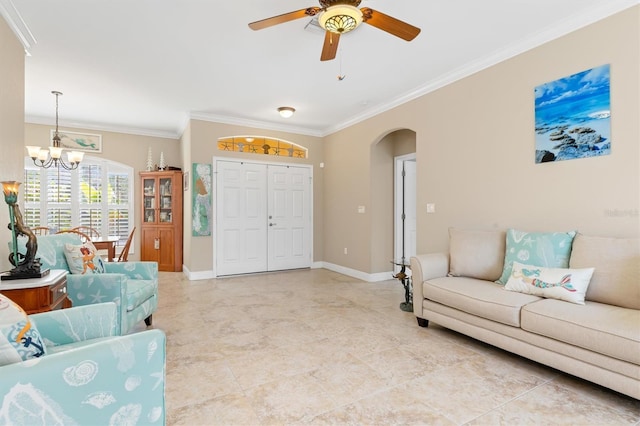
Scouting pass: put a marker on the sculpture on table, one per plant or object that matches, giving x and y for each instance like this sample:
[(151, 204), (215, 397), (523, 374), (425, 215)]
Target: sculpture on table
[(26, 265)]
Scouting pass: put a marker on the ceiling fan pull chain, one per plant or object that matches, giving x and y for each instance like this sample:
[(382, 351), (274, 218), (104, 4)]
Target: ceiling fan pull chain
[(340, 75)]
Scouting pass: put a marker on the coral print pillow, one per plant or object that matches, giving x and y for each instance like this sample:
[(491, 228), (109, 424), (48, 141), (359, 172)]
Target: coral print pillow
[(553, 283), (550, 249), (83, 259), (19, 339)]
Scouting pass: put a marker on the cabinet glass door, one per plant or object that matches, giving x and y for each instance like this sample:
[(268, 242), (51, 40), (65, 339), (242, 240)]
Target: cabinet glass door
[(166, 201), (149, 200)]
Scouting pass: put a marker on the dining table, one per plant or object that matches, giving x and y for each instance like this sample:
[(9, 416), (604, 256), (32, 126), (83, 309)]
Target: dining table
[(107, 243)]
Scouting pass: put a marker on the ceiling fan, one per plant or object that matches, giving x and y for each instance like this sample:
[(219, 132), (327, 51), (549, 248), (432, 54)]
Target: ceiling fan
[(341, 16)]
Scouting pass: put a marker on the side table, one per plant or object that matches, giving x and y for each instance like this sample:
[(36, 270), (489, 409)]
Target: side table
[(36, 295), (405, 279)]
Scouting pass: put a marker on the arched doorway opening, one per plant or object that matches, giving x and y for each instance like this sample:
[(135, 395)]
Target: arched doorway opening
[(390, 196)]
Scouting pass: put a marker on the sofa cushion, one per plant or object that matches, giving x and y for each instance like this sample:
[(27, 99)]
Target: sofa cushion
[(476, 254), (554, 283), (550, 249), (478, 297), (138, 291), (606, 329), (616, 280), (19, 337)]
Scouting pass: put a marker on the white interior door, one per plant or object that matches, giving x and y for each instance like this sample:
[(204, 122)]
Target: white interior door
[(405, 208), (410, 209), (241, 210), (263, 217), (289, 227)]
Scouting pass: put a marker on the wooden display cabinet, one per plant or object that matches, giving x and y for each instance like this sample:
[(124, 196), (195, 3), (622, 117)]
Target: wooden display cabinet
[(161, 219)]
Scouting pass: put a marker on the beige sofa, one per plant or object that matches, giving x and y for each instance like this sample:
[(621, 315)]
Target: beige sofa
[(598, 341)]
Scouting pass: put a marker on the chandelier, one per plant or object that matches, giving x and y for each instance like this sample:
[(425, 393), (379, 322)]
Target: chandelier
[(46, 158), (340, 19)]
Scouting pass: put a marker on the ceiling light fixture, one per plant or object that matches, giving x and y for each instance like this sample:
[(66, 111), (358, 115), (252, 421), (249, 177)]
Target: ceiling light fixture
[(286, 112), (53, 156), (340, 19)]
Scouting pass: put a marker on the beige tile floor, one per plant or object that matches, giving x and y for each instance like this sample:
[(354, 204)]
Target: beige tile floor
[(318, 347)]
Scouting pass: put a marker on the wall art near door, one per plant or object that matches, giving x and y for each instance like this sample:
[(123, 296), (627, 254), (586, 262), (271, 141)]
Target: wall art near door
[(88, 142), (573, 116), (201, 200)]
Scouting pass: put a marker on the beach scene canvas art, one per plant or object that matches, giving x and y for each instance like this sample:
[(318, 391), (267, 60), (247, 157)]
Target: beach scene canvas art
[(573, 116)]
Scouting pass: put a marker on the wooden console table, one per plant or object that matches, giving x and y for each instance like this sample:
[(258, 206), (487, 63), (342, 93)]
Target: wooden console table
[(36, 295)]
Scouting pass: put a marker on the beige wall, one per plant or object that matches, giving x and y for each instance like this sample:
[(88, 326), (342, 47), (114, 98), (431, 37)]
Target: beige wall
[(124, 148), (11, 125), (475, 153), (204, 136)]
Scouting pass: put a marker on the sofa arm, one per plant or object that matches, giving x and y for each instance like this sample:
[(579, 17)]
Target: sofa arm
[(96, 288), (425, 267), (114, 381), (136, 270), (78, 324)]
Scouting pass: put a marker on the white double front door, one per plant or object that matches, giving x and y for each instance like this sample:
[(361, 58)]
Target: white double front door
[(263, 217)]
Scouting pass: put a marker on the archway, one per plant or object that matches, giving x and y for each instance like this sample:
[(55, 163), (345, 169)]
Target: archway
[(384, 200)]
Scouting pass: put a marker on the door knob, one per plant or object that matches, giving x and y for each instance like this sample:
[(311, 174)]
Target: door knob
[(272, 224)]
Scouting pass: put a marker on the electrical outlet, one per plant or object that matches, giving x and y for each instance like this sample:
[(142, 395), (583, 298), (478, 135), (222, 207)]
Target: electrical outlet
[(345, 250), (431, 208)]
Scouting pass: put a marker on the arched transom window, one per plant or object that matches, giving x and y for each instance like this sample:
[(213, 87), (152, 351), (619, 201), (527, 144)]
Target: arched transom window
[(262, 145)]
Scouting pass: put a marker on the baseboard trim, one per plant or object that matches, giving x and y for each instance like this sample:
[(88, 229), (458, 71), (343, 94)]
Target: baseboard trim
[(372, 278), (199, 275)]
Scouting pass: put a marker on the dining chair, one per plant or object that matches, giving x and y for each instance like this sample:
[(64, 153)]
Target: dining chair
[(91, 232), (124, 254), (84, 237), (41, 230)]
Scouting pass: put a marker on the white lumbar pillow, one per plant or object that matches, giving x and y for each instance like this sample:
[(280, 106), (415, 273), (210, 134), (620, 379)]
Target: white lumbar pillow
[(553, 283)]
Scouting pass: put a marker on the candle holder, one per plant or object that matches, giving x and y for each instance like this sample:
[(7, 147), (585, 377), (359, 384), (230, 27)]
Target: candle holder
[(26, 265)]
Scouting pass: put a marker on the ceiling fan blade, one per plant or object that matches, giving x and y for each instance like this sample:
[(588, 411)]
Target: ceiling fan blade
[(389, 24), (330, 46), (285, 17)]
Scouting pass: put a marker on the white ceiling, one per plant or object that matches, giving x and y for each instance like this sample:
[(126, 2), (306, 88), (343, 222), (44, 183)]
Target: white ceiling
[(147, 66)]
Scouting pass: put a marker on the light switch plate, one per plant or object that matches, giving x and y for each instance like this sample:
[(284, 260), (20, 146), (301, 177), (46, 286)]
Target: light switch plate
[(431, 208)]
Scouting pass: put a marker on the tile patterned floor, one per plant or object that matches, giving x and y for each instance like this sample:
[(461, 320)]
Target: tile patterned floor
[(317, 347)]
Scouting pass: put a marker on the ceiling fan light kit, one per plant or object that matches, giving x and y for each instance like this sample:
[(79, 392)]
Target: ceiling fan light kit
[(340, 19), (286, 112), (337, 17)]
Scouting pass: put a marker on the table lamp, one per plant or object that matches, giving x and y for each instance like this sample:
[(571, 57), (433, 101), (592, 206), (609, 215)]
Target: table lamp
[(26, 265)]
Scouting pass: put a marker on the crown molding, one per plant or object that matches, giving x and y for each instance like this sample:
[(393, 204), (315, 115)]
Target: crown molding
[(104, 128), (16, 23), (544, 36), (224, 119)]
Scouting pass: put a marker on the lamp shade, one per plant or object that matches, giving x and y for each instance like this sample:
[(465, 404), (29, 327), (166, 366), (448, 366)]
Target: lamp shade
[(10, 188)]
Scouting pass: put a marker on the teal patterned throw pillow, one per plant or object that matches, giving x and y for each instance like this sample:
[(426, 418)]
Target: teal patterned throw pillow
[(548, 249)]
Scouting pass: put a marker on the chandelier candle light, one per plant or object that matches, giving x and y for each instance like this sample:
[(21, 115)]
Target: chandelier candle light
[(46, 158)]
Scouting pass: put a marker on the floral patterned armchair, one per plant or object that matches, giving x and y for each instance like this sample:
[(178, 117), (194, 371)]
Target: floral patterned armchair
[(89, 374), (133, 286)]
